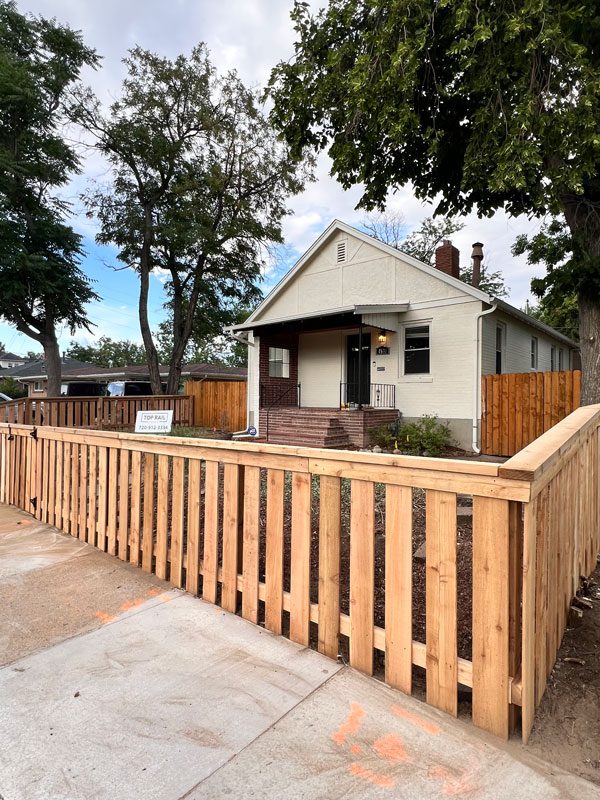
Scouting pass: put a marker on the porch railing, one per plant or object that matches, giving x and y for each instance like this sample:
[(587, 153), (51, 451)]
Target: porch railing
[(276, 396), (380, 395)]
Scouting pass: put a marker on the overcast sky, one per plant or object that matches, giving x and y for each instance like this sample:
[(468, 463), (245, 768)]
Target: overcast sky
[(250, 36)]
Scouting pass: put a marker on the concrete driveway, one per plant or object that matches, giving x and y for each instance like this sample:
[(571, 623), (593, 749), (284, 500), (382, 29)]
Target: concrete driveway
[(115, 686)]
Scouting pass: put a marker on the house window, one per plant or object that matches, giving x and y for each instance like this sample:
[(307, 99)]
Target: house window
[(279, 362), (561, 360), (38, 386), (341, 252), (500, 336), (416, 350), (534, 352), (553, 359)]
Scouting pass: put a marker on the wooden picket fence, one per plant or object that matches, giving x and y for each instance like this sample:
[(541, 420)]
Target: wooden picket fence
[(516, 408), (218, 404), (260, 529), (100, 413)]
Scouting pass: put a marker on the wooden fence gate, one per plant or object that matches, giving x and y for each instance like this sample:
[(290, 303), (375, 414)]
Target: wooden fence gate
[(516, 408), (218, 404)]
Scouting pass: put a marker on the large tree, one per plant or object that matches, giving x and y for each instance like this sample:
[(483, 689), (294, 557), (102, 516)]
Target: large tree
[(109, 352), (199, 188), (42, 285), (488, 105)]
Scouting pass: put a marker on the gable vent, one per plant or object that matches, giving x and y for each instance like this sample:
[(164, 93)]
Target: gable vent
[(341, 252)]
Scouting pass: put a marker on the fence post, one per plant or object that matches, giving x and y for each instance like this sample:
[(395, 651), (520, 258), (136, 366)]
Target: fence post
[(491, 615)]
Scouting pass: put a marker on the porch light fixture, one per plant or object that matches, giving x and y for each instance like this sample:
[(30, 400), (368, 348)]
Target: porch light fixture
[(382, 337)]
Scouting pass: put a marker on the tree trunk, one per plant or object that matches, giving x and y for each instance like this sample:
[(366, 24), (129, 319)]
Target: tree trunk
[(589, 342), (53, 364), (584, 224), (145, 269), (151, 353)]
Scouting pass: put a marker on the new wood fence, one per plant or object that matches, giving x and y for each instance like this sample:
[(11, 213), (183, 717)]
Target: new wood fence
[(287, 535), (218, 404), (516, 408), (98, 413)]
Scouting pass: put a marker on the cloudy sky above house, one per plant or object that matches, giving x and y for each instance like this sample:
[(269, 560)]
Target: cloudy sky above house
[(249, 36)]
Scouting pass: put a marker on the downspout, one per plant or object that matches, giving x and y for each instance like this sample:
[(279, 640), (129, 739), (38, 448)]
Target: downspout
[(477, 381)]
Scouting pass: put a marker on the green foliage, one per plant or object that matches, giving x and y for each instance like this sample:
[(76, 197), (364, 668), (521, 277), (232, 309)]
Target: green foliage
[(426, 435), (478, 106), (554, 247), (199, 187), (42, 284), (491, 283), (383, 436), (12, 388), (109, 353)]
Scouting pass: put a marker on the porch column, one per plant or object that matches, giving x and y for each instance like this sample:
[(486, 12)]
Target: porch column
[(360, 340)]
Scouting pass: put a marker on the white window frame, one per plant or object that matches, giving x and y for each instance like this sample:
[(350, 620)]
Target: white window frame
[(284, 361), (39, 384), (425, 323), (500, 326), (553, 359), (561, 360), (534, 353)]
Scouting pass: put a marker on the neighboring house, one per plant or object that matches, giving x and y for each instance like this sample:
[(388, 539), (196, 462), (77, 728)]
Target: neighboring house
[(358, 331), (10, 360), (80, 378)]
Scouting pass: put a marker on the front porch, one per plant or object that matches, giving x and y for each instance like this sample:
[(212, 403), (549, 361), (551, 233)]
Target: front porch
[(322, 427)]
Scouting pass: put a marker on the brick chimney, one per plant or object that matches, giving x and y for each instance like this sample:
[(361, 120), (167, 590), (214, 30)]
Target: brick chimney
[(447, 257), (477, 258)]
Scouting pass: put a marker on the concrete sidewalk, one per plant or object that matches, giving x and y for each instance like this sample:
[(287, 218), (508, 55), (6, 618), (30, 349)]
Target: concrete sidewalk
[(115, 686)]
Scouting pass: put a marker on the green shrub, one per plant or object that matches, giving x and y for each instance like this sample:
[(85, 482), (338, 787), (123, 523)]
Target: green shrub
[(12, 388), (426, 435), (382, 436)]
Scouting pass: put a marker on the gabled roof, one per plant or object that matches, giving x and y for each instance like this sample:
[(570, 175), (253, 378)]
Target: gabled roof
[(338, 226), (11, 357)]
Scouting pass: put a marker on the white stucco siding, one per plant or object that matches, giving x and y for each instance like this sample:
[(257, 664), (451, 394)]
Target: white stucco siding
[(320, 364), (448, 389), (366, 276), (516, 355)]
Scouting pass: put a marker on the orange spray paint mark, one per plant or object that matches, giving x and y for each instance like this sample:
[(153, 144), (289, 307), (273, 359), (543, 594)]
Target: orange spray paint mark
[(351, 725), (373, 777), (104, 617), (391, 748), (428, 727), (153, 591), (356, 749), (452, 785), (129, 604)]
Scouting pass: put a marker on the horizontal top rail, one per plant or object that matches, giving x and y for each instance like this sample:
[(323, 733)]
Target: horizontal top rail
[(463, 477), (537, 459)]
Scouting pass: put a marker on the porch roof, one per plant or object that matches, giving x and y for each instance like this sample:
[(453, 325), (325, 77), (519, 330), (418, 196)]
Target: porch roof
[(334, 318)]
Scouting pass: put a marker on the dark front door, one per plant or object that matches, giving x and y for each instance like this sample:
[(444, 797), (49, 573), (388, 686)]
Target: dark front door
[(358, 378)]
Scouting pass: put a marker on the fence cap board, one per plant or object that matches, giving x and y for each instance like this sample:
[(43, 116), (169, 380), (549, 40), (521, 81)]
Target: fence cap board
[(541, 455)]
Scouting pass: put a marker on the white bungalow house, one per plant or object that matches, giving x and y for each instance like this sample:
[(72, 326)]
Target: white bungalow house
[(358, 331)]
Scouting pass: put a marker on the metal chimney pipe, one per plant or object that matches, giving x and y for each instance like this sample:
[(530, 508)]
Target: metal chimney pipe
[(477, 258)]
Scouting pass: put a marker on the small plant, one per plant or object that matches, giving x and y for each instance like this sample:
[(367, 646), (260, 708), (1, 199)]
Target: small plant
[(382, 436), (386, 436), (425, 436)]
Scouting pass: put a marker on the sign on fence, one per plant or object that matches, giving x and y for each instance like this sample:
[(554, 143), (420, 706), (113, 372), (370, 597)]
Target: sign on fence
[(153, 421)]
